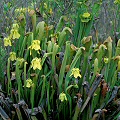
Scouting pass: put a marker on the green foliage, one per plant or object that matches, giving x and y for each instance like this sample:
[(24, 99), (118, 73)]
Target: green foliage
[(50, 76), (2, 62)]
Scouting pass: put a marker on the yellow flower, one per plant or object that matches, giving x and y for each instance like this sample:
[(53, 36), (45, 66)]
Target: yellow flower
[(15, 26), (36, 63), (21, 10), (106, 60), (35, 46), (15, 34), (62, 97), (12, 56), (7, 41), (20, 61), (86, 15), (17, 10), (29, 83), (50, 11), (76, 72), (45, 5)]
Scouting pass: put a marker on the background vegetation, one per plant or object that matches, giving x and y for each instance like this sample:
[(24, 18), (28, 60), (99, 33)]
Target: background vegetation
[(60, 59)]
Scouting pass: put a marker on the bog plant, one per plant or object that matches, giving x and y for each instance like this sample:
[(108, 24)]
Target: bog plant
[(50, 77)]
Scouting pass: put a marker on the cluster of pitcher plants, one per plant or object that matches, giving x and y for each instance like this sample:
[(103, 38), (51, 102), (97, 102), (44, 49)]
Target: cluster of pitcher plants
[(54, 72)]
